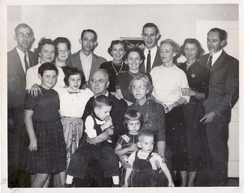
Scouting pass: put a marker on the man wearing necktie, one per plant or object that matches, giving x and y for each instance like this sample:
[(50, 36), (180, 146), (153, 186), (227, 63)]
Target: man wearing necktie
[(19, 60), (223, 94), (150, 35)]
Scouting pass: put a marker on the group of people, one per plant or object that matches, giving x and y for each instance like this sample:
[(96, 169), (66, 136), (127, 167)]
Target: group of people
[(135, 121)]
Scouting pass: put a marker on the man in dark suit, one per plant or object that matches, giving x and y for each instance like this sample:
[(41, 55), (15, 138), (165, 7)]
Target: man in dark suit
[(223, 93), (85, 59), (19, 60), (150, 35)]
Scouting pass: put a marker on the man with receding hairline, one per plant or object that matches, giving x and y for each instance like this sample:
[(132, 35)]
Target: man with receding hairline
[(19, 60), (85, 60), (223, 94), (99, 82)]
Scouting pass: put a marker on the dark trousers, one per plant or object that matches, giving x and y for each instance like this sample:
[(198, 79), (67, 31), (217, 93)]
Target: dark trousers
[(104, 154), (217, 135), (17, 176)]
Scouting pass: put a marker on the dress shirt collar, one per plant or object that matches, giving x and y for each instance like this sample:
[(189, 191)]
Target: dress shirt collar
[(216, 56), (84, 57)]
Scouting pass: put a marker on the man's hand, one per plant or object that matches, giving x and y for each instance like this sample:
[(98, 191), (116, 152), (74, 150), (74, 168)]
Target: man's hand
[(208, 117)]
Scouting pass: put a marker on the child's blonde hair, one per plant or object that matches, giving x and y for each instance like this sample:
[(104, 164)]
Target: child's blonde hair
[(145, 133), (133, 115)]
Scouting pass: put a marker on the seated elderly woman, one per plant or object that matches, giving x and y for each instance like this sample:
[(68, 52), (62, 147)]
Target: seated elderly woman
[(134, 57), (117, 50), (168, 80), (153, 119)]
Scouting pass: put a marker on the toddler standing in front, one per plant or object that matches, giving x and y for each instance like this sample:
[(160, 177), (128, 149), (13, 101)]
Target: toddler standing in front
[(144, 163), (127, 143)]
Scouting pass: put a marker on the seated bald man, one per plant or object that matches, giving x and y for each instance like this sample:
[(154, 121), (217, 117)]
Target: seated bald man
[(98, 85)]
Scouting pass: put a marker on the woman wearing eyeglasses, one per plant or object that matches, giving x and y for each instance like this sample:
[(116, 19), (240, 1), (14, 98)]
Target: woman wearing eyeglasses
[(153, 119)]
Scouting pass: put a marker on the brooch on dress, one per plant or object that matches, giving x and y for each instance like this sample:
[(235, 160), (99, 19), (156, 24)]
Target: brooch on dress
[(193, 75)]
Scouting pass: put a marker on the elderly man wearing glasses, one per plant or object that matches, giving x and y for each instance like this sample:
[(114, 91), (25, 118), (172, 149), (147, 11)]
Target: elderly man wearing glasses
[(94, 175)]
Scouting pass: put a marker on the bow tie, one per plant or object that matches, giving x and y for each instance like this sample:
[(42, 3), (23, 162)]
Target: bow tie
[(73, 91)]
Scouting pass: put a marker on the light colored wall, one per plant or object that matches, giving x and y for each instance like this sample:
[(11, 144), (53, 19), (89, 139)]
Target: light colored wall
[(114, 21)]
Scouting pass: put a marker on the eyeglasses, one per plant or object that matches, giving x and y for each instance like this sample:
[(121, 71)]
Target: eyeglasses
[(138, 87), (99, 81), (22, 35)]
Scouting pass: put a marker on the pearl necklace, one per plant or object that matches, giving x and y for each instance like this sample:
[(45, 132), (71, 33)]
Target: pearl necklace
[(115, 68)]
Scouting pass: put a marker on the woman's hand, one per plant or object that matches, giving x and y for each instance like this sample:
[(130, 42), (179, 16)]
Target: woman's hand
[(188, 92), (33, 145), (124, 161), (170, 107), (35, 90)]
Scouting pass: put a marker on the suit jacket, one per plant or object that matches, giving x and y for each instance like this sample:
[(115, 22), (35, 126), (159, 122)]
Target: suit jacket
[(16, 84), (157, 61), (223, 86), (75, 62)]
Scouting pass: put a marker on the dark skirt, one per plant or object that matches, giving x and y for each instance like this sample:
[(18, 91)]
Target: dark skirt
[(198, 149), (176, 138), (50, 156)]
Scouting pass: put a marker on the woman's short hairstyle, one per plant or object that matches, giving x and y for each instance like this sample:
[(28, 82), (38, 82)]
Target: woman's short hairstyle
[(133, 115), (101, 101), (145, 79), (47, 66), (44, 41), (135, 49), (194, 41), (62, 40), (145, 133), (115, 42), (74, 71), (176, 47)]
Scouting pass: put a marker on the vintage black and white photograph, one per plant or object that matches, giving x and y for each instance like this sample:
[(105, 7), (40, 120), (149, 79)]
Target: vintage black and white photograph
[(121, 95)]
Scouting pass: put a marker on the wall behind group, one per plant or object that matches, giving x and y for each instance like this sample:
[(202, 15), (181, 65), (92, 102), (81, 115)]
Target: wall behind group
[(114, 21)]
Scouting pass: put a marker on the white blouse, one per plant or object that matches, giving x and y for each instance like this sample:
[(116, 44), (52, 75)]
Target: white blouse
[(73, 105)]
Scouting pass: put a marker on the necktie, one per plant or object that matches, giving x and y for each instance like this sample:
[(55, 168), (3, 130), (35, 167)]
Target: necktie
[(149, 62), (209, 65), (26, 63)]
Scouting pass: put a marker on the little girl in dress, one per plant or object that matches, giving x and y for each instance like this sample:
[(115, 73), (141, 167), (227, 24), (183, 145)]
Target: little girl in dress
[(45, 154), (73, 100), (144, 163)]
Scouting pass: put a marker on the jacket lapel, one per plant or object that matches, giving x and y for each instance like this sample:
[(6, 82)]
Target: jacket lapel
[(218, 62), (93, 66), (158, 60), (18, 65)]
